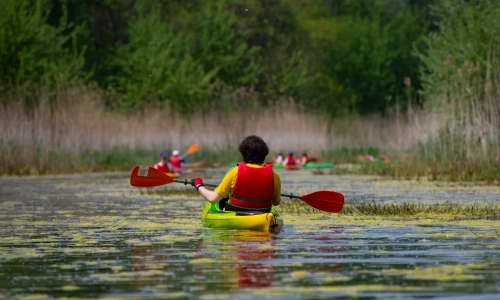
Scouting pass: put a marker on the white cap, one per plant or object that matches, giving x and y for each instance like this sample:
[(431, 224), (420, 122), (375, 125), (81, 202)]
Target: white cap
[(175, 152)]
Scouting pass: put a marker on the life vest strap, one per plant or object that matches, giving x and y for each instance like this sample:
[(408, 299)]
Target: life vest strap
[(252, 200), (229, 207)]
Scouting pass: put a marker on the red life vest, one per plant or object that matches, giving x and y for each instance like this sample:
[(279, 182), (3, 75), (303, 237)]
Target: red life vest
[(162, 167), (254, 187), (176, 163), (290, 160)]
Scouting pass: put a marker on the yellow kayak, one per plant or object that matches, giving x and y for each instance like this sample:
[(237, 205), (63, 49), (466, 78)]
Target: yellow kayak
[(213, 217)]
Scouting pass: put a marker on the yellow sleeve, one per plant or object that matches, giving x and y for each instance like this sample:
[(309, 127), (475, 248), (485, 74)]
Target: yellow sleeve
[(226, 185), (277, 189)]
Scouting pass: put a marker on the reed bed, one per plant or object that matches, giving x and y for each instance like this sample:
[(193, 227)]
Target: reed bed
[(420, 209), (78, 133), (75, 132), (464, 141), (405, 209), (71, 130)]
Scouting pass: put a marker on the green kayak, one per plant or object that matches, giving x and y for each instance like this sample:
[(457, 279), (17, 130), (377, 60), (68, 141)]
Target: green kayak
[(213, 217), (311, 165)]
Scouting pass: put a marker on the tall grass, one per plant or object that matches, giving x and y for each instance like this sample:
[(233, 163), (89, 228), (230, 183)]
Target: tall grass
[(72, 131), (461, 78), (78, 133), (465, 143)]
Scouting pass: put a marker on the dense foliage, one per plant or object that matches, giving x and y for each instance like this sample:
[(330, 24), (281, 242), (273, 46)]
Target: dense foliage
[(461, 78), (339, 58), (335, 56)]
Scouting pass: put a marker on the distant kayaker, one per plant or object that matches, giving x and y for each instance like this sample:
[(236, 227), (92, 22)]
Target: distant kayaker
[(249, 185), (385, 158), (163, 165), (279, 159), (304, 159), (290, 160), (177, 162)]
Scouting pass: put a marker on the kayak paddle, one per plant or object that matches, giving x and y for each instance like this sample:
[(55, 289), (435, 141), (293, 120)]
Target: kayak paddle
[(329, 201), (191, 150)]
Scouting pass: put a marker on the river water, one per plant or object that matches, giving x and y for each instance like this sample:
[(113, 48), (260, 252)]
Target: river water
[(93, 236)]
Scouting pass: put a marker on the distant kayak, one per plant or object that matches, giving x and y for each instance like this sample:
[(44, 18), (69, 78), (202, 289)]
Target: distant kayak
[(309, 165), (213, 217), (317, 165), (292, 167)]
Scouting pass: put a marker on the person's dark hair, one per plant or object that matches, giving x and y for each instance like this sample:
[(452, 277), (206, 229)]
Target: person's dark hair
[(254, 150)]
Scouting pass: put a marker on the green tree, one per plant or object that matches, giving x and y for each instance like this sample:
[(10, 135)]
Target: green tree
[(155, 67), (468, 40), (372, 54), (218, 45), (34, 52)]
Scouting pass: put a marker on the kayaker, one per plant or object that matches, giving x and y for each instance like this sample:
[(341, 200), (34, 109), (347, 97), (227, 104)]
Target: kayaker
[(249, 185), (279, 159), (385, 158), (177, 162), (290, 160), (163, 165), (304, 159)]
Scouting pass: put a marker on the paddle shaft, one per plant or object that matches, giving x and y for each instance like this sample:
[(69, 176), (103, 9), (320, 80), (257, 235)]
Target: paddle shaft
[(328, 201), (186, 182)]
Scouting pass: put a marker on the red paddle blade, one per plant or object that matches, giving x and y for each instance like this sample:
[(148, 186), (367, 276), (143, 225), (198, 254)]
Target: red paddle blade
[(192, 149), (328, 201), (143, 176)]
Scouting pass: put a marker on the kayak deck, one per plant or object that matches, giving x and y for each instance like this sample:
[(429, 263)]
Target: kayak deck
[(213, 217)]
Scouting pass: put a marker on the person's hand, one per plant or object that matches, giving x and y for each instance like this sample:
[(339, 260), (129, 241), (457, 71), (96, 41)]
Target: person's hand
[(197, 182)]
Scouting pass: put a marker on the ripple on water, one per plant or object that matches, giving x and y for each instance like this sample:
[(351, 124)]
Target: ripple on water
[(94, 236)]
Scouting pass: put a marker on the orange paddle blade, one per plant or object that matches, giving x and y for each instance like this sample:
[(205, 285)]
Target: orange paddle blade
[(144, 176), (192, 149), (328, 201)]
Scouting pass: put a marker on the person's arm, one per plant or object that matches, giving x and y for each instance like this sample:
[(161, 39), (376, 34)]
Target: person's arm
[(277, 189), (210, 196), (221, 192)]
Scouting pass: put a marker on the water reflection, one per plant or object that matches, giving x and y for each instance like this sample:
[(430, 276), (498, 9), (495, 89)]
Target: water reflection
[(148, 265), (253, 252), (244, 256), (215, 260), (330, 242)]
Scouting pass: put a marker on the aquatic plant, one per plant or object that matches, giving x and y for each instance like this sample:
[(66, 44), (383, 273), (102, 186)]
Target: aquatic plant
[(405, 209), (421, 209)]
